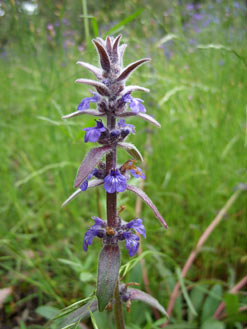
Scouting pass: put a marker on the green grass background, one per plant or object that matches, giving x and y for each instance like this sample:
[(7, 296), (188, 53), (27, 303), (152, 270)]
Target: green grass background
[(193, 162)]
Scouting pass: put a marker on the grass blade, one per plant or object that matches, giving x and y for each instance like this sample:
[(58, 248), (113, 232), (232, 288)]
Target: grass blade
[(124, 22), (186, 296)]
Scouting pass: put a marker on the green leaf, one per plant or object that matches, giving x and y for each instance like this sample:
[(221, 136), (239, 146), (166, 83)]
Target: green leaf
[(108, 270), (124, 22), (95, 27), (186, 296), (232, 304), (213, 324), (196, 297), (48, 312), (79, 314), (93, 321), (86, 276), (211, 302)]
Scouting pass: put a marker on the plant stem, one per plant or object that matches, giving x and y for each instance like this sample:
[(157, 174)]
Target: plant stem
[(85, 18), (118, 312), (111, 208), (111, 198)]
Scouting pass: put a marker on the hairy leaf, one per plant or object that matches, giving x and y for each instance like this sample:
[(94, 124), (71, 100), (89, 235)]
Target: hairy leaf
[(132, 150), (92, 183), (100, 87), (149, 119), (104, 58), (90, 112), (136, 294), (108, 269), (79, 314), (148, 201), (116, 43), (131, 67), (95, 70), (130, 89), (90, 161), (141, 115), (121, 52)]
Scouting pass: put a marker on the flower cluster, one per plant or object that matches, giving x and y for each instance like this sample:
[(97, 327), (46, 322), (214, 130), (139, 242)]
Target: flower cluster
[(113, 104), (115, 181), (122, 232), (112, 101)]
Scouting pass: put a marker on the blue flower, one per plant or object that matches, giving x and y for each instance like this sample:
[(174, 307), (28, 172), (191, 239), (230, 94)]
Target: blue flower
[(115, 182), (137, 225), (135, 104), (98, 229), (84, 105), (132, 240), (132, 243), (84, 184), (127, 126), (93, 134)]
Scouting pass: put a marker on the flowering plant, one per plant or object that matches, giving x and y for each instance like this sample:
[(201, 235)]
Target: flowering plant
[(115, 103)]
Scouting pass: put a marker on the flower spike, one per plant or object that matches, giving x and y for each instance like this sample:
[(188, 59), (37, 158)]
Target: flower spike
[(114, 103)]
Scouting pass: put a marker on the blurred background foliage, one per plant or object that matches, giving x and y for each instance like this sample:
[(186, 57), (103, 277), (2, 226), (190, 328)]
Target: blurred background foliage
[(194, 164)]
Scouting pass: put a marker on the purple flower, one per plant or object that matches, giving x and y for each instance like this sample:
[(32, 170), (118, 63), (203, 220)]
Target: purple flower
[(50, 27), (132, 243), (241, 186), (137, 225), (93, 134), (135, 104), (132, 240), (98, 229), (115, 182), (84, 185), (190, 6), (198, 16), (84, 105), (127, 126)]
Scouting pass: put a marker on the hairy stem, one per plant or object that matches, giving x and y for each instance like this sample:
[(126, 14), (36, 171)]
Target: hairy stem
[(111, 198), (118, 312), (111, 208)]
